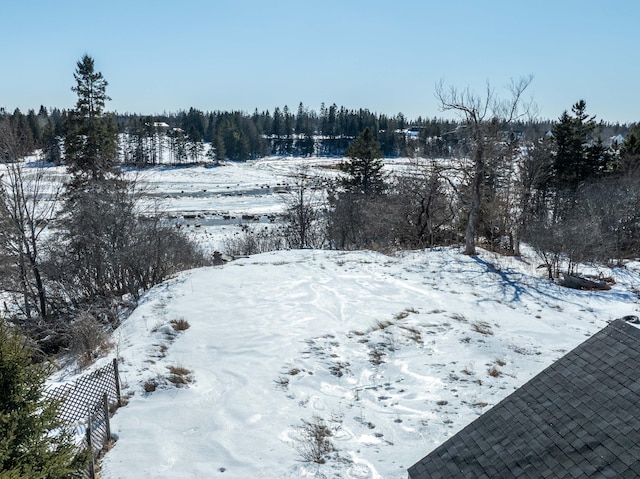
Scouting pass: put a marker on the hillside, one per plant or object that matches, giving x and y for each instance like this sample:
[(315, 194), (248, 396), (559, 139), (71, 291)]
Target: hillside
[(393, 354)]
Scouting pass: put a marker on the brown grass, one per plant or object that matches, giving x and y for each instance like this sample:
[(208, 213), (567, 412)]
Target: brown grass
[(381, 325), (179, 375), (180, 324), (482, 328), (413, 333), (150, 386)]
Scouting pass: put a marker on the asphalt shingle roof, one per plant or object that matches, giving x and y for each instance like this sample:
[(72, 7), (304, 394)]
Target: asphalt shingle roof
[(580, 417)]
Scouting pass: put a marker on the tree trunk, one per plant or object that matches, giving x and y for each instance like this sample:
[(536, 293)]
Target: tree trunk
[(476, 197)]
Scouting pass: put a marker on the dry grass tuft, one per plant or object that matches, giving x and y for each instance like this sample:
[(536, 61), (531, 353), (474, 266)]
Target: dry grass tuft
[(482, 328), (150, 386), (381, 325), (494, 372), (315, 444), (413, 333), (180, 324), (179, 375), (459, 317)]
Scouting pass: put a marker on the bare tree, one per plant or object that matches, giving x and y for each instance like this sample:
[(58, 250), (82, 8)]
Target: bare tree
[(424, 210), (485, 120), (28, 200), (302, 211), (533, 172)]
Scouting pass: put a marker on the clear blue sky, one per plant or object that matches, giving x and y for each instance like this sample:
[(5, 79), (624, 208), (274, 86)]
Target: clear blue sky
[(386, 56)]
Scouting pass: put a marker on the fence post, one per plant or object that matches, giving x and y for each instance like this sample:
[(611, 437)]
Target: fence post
[(117, 380), (92, 470), (105, 404)]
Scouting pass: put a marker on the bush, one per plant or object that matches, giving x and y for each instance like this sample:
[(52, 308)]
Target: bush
[(180, 324), (33, 441), (315, 441), (87, 338), (254, 240)]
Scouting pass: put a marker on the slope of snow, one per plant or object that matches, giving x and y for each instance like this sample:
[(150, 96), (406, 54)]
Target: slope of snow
[(394, 353)]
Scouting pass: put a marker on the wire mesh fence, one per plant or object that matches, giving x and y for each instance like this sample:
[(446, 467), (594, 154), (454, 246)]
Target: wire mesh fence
[(85, 407), (79, 396)]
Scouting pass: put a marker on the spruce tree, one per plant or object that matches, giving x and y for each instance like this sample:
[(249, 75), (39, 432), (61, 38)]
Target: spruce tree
[(91, 142), (33, 442), (579, 156), (629, 160), (364, 169)]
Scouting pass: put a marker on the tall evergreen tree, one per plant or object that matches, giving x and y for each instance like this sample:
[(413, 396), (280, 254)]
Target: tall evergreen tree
[(33, 443), (630, 152), (91, 142), (364, 169), (579, 156)]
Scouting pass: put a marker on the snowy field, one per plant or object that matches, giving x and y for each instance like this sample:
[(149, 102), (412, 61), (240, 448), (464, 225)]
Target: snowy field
[(212, 202), (394, 354)]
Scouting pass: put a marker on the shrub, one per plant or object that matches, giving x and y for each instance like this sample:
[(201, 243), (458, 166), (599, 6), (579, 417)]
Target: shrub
[(315, 442), (33, 442), (87, 338), (252, 240), (150, 386), (180, 324)]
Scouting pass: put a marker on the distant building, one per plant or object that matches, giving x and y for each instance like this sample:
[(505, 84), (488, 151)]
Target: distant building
[(580, 417)]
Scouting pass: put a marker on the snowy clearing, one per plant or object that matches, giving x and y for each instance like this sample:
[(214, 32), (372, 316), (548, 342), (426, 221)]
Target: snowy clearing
[(393, 354)]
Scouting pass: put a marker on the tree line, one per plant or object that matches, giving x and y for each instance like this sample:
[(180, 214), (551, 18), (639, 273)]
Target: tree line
[(194, 136)]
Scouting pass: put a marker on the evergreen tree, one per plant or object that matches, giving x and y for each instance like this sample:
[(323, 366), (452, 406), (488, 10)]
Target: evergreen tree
[(277, 127), (34, 126), (630, 152), (287, 120), (33, 442), (579, 156), (91, 142), (364, 170)]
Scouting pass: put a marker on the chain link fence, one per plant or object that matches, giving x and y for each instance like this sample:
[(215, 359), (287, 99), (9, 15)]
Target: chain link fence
[(86, 405)]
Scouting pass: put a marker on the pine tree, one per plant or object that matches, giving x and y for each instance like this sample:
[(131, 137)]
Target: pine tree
[(364, 170), (91, 142), (629, 160), (579, 156), (33, 443)]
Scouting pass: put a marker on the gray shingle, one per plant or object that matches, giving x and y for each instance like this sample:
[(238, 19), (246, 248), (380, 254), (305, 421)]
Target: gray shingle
[(577, 418)]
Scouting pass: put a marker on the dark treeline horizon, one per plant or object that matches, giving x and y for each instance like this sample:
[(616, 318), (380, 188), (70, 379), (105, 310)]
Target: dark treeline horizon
[(238, 135)]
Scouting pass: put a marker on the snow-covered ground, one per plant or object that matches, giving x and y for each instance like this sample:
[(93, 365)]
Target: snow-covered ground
[(394, 354), (211, 202)]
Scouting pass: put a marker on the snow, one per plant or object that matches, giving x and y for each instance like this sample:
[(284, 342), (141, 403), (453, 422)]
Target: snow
[(309, 318), (220, 196), (392, 352)]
